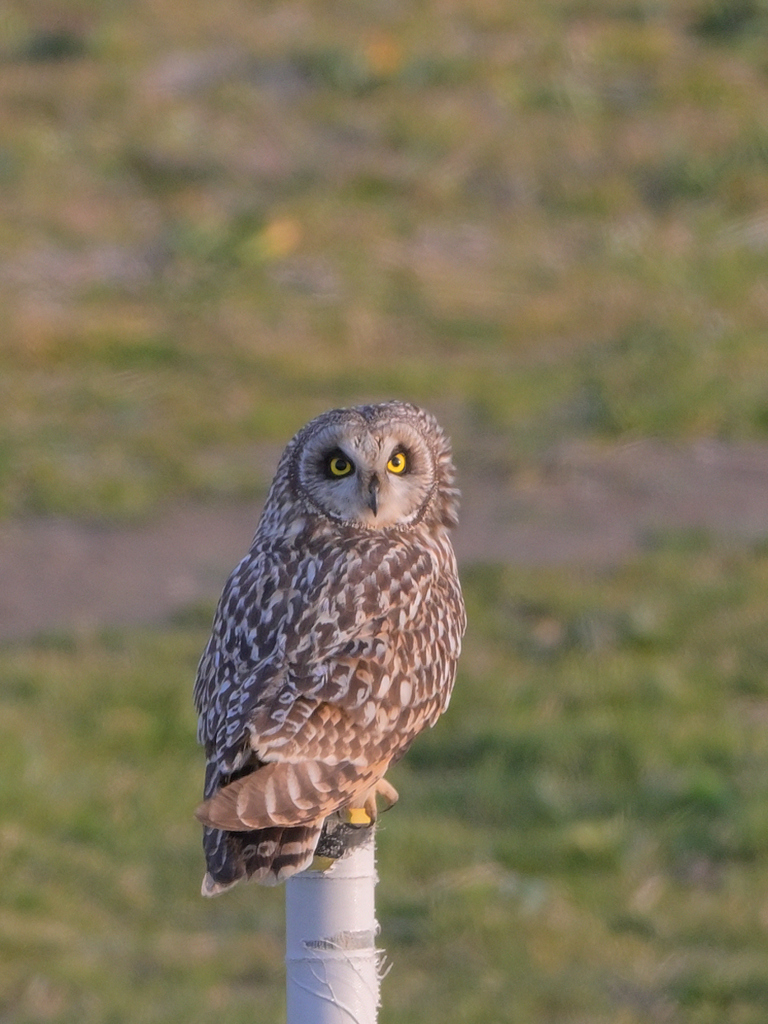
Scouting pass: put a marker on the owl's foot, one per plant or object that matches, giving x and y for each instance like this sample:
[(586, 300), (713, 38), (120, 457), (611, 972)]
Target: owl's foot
[(321, 863), (366, 814), (358, 815), (388, 793)]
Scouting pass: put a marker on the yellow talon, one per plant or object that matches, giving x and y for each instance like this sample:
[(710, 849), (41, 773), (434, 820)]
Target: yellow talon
[(321, 863), (356, 816)]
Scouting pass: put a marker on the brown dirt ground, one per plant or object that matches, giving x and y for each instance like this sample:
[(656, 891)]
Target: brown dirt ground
[(589, 506)]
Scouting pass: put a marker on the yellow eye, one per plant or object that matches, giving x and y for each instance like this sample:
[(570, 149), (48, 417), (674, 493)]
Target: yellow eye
[(398, 463), (340, 465)]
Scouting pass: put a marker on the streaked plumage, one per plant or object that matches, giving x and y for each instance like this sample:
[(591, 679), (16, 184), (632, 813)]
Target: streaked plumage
[(334, 643)]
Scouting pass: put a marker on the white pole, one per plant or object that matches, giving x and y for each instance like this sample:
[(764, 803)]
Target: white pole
[(332, 964)]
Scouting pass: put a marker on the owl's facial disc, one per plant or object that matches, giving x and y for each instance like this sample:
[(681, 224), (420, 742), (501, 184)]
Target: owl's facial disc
[(376, 478)]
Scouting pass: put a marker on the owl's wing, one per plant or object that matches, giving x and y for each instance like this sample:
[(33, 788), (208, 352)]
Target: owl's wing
[(359, 656), (375, 662), (276, 624), (245, 655), (298, 655)]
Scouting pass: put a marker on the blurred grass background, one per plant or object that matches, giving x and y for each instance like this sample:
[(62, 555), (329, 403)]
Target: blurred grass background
[(544, 221)]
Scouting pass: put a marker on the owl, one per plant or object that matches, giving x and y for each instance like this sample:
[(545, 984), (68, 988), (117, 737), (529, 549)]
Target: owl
[(334, 643)]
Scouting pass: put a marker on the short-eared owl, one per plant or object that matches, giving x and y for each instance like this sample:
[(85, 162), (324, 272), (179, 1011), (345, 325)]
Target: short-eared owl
[(334, 643)]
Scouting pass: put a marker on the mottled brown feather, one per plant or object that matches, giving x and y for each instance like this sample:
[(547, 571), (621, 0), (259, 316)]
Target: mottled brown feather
[(334, 643), (281, 794)]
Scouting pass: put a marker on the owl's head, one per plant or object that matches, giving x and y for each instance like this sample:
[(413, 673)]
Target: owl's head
[(374, 466)]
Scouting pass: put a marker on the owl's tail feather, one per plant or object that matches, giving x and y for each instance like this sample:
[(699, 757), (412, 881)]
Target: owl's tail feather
[(267, 825), (284, 794), (268, 856)]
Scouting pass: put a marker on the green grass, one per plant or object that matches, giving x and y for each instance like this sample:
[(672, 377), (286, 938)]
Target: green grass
[(544, 220), (540, 218), (582, 837)]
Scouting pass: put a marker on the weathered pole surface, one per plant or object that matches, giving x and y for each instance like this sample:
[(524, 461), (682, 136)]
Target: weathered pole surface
[(332, 964)]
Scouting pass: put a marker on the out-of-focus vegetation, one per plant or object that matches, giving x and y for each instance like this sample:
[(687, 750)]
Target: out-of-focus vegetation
[(542, 220), (219, 219), (584, 836)]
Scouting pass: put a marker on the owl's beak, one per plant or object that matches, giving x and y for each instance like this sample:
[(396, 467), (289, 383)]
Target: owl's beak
[(373, 494)]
